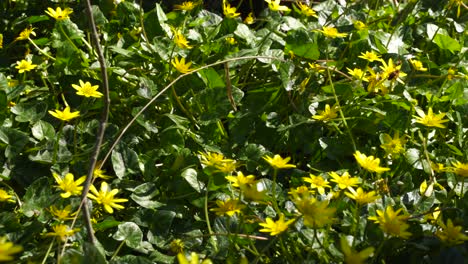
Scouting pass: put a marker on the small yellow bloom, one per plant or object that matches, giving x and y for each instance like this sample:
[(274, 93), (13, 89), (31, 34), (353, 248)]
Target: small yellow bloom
[(306, 10), (417, 65), (301, 191), (451, 73), (362, 197), (87, 90), (392, 223), (228, 207), (460, 169), (275, 228), (59, 14), (229, 11), (277, 162), (186, 6), (180, 40), (391, 71), (213, 159), (181, 66), (177, 246), (24, 66), (393, 146), (317, 182), (194, 259), (351, 256), (359, 25), (345, 180), (451, 234), (1, 40), (5, 197), (316, 213), (370, 56), (430, 119), (62, 232), (98, 173), (438, 167), (253, 192), (230, 40), (7, 249), (327, 114), (369, 162), (332, 32), (61, 214), (66, 114), (250, 19), (69, 185), (105, 196), (316, 67), (357, 74), (26, 33), (241, 180), (274, 5)]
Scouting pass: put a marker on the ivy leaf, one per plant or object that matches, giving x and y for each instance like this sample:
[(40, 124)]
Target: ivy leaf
[(190, 175), (446, 42), (130, 233)]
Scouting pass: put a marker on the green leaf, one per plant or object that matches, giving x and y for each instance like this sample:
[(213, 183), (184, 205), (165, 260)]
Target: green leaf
[(43, 130), (130, 233), (38, 198), (190, 175), (302, 44), (244, 32), (15, 140), (446, 42), (211, 78), (144, 194), (29, 112), (92, 254)]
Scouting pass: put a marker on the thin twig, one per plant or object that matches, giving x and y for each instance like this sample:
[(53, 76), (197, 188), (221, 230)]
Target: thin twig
[(102, 124), (229, 86)]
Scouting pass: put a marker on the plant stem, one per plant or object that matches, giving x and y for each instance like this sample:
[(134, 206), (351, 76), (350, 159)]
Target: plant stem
[(207, 218), (273, 192), (48, 252), (117, 250)]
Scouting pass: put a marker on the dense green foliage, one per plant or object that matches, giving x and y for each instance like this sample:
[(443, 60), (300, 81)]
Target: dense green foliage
[(335, 132)]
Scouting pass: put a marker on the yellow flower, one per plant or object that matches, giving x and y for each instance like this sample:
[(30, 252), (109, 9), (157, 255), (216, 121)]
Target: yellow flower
[(362, 197), (98, 173), (1, 40), (392, 223), (177, 246), (327, 114), (370, 56), (274, 5), (351, 256), (393, 146), (301, 191), (5, 197), (230, 40), (25, 33), (275, 228), (227, 167), (25, 65), (277, 162), (253, 193), (193, 259), (332, 32), (180, 40), (438, 167), (181, 66), (62, 232), (306, 10), (250, 19), (316, 213), (105, 196), (359, 25), (317, 182), (241, 180), (213, 159), (66, 114), (69, 185), (345, 180), (369, 162), (357, 74), (61, 214), (87, 90), (391, 71), (417, 65), (460, 168), (7, 249), (186, 6), (228, 11), (430, 119), (450, 234), (228, 207), (316, 67), (59, 14)]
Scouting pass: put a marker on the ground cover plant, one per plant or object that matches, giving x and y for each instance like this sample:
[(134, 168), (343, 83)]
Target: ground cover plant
[(175, 132)]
